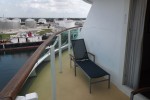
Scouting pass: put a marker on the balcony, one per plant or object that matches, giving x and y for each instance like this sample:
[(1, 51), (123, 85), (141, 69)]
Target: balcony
[(55, 79), (68, 87)]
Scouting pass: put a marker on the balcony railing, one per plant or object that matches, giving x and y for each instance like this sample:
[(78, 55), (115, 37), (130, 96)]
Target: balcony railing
[(14, 86)]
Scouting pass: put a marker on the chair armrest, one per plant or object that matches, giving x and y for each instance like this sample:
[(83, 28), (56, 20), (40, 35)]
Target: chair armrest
[(141, 90), (92, 56)]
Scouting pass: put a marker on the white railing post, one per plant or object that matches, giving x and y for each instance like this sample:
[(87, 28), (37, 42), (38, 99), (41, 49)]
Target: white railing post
[(69, 41), (60, 54), (53, 72), (3, 46), (79, 30)]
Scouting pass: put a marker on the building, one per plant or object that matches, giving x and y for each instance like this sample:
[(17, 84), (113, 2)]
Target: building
[(25, 37), (30, 23), (65, 23), (6, 24), (43, 21)]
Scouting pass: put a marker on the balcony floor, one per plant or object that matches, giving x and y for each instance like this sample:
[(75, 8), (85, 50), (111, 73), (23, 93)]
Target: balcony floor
[(69, 87)]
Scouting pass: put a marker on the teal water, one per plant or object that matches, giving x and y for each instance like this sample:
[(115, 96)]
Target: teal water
[(10, 63)]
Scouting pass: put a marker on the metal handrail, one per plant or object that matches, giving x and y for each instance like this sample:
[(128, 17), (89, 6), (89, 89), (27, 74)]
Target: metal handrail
[(13, 87)]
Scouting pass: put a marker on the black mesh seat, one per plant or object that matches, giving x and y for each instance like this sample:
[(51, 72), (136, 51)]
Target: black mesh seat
[(81, 60), (93, 70)]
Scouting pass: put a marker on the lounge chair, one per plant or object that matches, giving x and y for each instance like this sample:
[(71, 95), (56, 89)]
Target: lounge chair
[(81, 60)]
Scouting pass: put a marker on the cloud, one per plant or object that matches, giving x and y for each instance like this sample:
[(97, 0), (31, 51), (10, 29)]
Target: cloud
[(44, 8)]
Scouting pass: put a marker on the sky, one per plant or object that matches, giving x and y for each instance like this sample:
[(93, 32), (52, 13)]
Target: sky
[(44, 8)]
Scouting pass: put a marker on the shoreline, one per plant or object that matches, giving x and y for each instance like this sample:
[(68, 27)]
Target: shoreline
[(19, 46)]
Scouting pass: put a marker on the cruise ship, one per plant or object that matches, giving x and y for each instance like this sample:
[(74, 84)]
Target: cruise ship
[(117, 32)]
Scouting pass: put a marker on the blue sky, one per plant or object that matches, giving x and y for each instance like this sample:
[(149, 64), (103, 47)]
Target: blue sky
[(44, 8)]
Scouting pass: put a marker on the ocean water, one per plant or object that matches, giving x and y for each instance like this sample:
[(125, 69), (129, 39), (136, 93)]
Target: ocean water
[(10, 63)]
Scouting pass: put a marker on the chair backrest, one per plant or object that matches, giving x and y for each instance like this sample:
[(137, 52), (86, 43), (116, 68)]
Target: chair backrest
[(79, 49)]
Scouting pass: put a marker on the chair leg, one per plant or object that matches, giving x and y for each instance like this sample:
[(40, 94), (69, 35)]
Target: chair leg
[(70, 62), (90, 86), (75, 69), (108, 81)]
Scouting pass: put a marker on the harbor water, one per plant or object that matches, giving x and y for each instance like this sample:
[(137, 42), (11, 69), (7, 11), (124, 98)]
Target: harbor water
[(10, 63)]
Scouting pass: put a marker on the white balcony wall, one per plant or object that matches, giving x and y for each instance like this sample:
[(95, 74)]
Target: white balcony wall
[(105, 33)]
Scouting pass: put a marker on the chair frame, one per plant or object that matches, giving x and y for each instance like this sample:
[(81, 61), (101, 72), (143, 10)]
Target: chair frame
[(72, 58), (137, 91)]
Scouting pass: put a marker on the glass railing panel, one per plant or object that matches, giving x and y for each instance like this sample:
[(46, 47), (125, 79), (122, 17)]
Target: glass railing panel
[(74, 33)]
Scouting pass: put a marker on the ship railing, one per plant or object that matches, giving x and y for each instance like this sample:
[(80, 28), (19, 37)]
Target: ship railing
[(11, 90)]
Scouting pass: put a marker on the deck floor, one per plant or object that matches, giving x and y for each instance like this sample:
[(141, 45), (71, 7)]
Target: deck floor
[(69, 87)]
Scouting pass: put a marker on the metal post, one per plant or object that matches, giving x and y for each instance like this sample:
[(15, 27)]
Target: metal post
[(3, 46), (108, 81), (79, 30), (53, 72), (90, 85), (69, 41), (60, 54)]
